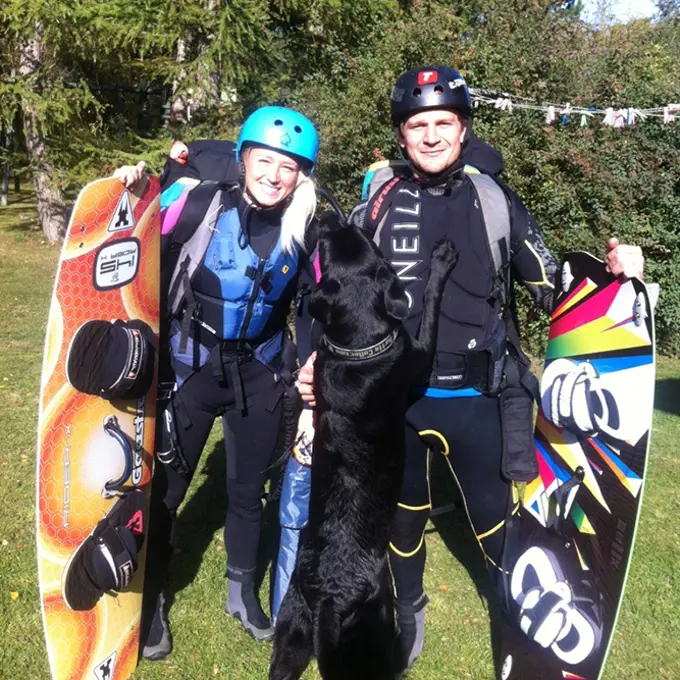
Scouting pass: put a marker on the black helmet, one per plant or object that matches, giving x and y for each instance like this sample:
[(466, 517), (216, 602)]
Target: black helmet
[(429, 87)]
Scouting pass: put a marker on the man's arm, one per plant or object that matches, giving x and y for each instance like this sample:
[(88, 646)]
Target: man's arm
[(532, 263)]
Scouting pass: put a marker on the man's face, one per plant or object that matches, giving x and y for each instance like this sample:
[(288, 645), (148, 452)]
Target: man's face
[(432, 139)]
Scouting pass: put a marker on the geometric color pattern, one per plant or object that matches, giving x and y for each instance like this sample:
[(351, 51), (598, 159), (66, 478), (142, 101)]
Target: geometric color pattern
[(607, 323), (582, 290), (597, 325)]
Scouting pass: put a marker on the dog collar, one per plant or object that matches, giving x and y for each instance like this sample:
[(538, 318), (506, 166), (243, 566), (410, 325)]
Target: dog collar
[(365, 352)]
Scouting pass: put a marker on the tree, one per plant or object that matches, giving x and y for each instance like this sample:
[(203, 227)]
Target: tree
[(88, 75), (668, 9)]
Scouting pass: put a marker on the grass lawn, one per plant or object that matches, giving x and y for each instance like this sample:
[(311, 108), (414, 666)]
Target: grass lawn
[(208, 644)]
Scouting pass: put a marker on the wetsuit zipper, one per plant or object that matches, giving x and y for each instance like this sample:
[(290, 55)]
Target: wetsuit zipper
[(253, 297)]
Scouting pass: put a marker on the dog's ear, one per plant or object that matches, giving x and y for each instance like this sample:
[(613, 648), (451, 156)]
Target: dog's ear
[(323, 299), (394, 295), (330, 220)]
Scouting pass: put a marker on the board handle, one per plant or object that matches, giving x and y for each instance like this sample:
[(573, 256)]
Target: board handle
[(112, 428)]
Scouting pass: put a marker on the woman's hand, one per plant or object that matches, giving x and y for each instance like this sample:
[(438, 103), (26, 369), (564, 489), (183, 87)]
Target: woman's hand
[(131, 175), (305, 381)]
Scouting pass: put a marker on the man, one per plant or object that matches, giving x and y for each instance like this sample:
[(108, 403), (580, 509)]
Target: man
[(449, 186)]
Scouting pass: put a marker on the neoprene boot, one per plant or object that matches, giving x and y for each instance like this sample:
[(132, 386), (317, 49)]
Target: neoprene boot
[(411, 633), (156, 640), (243, 605)]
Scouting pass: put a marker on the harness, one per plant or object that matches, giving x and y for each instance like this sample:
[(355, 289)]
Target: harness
[(499, 368), (382, 182), (200, 222)]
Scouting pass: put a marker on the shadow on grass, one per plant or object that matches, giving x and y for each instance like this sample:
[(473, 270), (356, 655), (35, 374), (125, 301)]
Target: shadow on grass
[(203, 514), (667, 396), (454, 529)]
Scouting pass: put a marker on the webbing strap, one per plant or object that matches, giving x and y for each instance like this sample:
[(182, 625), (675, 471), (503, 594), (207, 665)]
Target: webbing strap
[(497, 222), (194, 248), (189, 312)]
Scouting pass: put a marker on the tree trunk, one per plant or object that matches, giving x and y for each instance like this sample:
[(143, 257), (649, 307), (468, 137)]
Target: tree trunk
[(4, 140), (5, 184), (178, 110), (50, 200), (208, 80)]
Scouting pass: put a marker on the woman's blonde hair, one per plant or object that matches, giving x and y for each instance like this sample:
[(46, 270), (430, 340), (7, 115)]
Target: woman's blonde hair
[(298, 214)]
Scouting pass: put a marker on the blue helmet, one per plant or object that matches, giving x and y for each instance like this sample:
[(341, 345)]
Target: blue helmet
[(283, 130)]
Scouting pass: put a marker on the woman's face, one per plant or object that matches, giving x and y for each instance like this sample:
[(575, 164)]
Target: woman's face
[(270, 176)]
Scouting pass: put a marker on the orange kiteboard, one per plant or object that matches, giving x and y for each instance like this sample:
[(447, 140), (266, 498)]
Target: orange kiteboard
[(109, 269)]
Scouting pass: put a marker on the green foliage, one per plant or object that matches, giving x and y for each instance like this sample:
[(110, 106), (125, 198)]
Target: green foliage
[(108, 69)]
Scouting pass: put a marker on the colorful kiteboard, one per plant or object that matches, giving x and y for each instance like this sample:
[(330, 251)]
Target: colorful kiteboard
[(92, 452), (578, 518)]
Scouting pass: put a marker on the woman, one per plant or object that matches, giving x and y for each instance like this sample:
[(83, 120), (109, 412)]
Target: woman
[(225, 346)]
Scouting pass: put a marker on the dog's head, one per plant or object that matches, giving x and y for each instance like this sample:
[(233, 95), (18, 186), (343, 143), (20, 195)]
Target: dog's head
[(359, 298)]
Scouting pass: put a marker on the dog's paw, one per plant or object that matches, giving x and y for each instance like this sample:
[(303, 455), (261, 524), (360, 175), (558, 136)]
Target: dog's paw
[(445, 254)]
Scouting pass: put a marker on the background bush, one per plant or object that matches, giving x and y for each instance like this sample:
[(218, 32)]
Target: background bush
[(336, 61)]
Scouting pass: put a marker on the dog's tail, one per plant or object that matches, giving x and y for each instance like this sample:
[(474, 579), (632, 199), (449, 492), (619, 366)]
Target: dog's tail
[(358, 644), (328, 627), (327, 637)]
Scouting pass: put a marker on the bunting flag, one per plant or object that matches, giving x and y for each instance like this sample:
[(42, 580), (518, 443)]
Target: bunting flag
[(612, 116)]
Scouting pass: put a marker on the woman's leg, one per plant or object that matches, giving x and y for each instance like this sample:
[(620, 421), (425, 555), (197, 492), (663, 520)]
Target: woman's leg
[(193, 408), (250, 441)]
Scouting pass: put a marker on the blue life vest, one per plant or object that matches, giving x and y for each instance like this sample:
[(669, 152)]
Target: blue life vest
[(250, 286)]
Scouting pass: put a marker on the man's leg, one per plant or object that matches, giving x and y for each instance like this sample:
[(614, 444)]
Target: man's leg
[(468, 432), (475, 460), (407, 549)]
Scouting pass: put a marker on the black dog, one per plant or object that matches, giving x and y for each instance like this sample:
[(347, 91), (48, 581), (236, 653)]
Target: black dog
[(339, 603)]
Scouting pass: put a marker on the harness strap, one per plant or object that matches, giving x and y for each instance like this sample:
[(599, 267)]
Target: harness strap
[(226, 359), (237, 386), (191, 245), (496, 214), (182, 278)]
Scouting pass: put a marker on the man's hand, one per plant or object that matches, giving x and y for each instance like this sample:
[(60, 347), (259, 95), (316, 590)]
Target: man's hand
[(305, 381), (131, 175), (623, 260)]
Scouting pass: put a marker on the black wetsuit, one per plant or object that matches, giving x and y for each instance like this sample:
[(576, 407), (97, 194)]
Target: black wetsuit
[(250, 408), (462, 423)]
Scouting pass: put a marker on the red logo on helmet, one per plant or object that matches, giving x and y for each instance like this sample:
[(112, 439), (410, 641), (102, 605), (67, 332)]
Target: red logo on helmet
[(427, 77)]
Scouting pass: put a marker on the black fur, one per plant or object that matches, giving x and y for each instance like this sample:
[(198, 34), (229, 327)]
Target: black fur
[(339, 604)]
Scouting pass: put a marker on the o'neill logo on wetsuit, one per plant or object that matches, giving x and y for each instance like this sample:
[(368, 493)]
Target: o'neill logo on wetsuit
[(405, 236)]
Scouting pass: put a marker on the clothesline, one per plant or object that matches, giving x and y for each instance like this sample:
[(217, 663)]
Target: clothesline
[(612, 116)]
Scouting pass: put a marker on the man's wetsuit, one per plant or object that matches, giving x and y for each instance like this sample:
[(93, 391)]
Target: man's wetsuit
[(448, 415)]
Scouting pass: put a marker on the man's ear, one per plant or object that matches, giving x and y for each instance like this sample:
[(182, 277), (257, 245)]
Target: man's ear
[(394, 295), (323, 299), (399, 136)]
